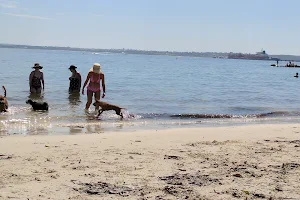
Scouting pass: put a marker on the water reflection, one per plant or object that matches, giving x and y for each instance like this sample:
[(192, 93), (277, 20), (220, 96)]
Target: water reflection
[(37, 130), (74, 99), (3, 132), (95, 128), (36, 97), (73, 130)]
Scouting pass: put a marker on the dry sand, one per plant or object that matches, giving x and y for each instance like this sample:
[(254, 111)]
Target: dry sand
[(246, 162)]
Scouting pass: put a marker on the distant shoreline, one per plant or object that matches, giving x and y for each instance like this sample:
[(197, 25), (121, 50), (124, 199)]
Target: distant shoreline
[(125, 51), (294, 58)]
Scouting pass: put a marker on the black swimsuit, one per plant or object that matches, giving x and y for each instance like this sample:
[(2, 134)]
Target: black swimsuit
[(36, 82), (74, 84)]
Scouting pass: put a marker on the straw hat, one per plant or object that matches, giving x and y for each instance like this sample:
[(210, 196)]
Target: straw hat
[(37, 65), (96, 68)]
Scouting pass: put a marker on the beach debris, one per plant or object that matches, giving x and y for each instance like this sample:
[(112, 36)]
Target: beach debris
[(182, 192), (80, 167), (284, 141), (51, 171), (137, 141), (37, 179), (90, 175), (290, 166), (245, 194), (172, 157), (237, 175), (278, 188), (135, 153), (217, 192), (190, 179), (5, 157), (259, 196), (101, 188)]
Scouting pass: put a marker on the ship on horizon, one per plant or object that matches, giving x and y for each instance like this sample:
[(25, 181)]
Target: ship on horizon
[(262, 55)]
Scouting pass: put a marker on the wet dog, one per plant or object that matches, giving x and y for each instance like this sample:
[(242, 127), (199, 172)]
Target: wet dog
[(38, 106), (106, 106), (3, 102)]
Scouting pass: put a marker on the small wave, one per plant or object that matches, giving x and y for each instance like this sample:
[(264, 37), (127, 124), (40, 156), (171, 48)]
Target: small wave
[(202, 116), (223, 116)]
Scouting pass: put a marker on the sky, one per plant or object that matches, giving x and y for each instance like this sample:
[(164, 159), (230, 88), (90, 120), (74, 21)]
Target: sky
[(173, 25)]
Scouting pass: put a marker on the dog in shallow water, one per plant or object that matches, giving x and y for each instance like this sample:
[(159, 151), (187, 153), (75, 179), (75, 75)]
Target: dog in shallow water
[(106, 106), (38, 106), (3, 102)]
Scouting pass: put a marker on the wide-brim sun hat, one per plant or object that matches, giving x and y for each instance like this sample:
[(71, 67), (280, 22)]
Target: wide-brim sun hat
[(72, 67), (37, 65), (96, 68)]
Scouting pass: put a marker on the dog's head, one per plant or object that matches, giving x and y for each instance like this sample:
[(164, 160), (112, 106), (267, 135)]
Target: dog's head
[(99, 103), (3, 100), (119, 112), (3, 104), (29, 101), (95, 103), (2, 108)]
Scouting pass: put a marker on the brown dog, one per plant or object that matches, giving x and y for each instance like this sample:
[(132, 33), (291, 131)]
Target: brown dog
[(106, 106), (3, 102)]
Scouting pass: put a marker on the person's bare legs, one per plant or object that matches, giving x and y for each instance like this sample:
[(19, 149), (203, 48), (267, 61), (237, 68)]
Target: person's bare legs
[(33, 90), (89, 99), (39, 90)]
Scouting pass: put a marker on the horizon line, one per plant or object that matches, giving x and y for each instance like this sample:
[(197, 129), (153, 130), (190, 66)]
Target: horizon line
[(89, 48)]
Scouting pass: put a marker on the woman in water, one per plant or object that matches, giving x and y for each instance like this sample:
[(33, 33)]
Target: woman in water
[(75, 80), (36, 80), (94, 77)]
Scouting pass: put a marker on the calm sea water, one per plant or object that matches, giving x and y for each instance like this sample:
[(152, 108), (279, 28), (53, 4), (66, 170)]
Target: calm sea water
[(161, 91)]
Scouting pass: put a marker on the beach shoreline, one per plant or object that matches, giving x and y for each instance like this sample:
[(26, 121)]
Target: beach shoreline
[(251, 161)]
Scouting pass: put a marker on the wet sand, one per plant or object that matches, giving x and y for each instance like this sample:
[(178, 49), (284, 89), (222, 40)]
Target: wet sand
[(245, 162)]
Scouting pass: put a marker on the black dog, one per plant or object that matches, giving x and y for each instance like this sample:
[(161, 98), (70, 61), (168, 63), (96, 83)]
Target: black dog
[(106, 106), (3, 102), (37, 105)]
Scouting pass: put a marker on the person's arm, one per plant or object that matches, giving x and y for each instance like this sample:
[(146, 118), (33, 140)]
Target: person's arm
[(86, 82), (30, 79), (79, 77), (42, 79), (103, 86)]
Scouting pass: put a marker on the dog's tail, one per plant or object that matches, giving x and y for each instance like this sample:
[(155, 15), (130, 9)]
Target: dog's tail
[(4, 90)]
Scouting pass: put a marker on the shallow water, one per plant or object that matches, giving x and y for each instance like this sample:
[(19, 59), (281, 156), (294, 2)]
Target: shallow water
[(161, 92)]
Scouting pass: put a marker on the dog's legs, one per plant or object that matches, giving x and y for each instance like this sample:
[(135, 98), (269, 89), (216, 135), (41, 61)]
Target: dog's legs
[(100, 112)]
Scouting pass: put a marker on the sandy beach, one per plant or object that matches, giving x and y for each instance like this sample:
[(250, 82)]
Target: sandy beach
[(237, 162)]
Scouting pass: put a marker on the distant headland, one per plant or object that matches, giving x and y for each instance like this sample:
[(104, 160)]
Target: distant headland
[(146, 52)]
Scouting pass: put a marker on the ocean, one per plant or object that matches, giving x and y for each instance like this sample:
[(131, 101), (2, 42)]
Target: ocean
[(160, 91)]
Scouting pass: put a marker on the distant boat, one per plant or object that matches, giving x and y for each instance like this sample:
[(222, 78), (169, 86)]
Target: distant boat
[(262, 55), (289, 66)]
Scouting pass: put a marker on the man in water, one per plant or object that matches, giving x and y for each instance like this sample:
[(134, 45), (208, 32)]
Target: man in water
[(296, 76)]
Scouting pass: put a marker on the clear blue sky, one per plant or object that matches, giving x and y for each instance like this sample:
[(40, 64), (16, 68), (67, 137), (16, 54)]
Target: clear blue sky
[(175, 25)]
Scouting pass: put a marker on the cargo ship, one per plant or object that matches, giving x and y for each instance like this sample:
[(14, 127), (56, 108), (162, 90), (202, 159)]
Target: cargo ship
[(262, 55)]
